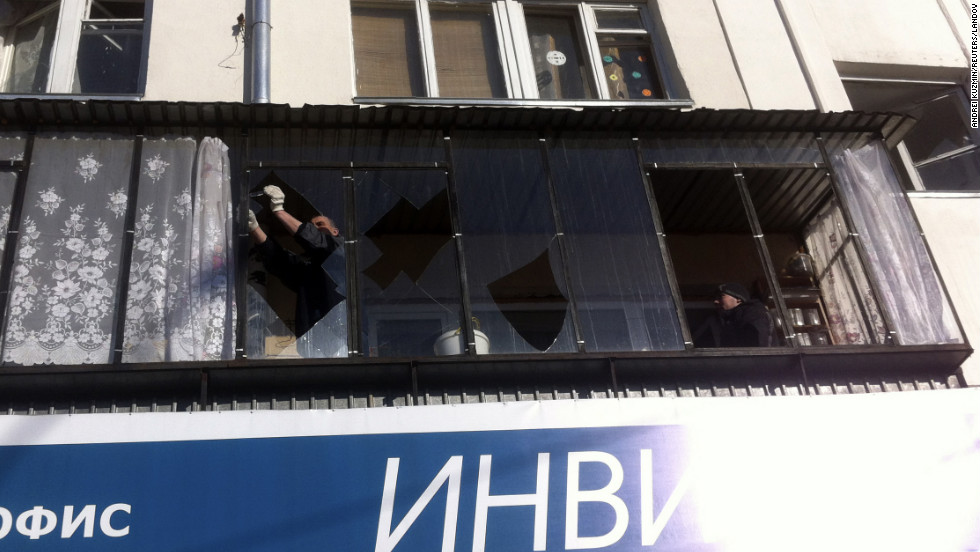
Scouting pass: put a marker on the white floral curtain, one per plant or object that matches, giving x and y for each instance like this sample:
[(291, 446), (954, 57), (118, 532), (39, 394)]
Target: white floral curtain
[(61, 305), (181, 300), (899, 261), (853, 317), (180, 304)]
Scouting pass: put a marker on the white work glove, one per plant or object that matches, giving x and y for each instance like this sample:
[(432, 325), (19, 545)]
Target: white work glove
[(252, 223), (276, 197)]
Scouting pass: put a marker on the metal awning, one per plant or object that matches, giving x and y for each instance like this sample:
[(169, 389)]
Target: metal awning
[(60, 112)]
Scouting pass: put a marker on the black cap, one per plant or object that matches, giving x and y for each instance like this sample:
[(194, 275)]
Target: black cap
[(737, 291)]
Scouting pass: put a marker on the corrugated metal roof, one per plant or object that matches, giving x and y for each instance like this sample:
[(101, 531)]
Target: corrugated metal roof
[(31, 112)]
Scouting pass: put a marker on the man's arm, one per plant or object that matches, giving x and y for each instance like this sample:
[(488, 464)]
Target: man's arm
[(276, 200), (289, 221)]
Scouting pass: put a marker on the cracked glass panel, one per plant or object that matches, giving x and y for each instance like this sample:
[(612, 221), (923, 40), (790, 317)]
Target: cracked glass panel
[(513, 264), (616, 267), (297, 283), (409, 289)]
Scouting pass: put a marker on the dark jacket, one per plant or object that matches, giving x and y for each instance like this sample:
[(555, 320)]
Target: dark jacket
[(316, 292), (747, 325)]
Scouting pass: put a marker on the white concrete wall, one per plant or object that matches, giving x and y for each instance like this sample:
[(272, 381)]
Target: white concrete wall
[(312, 52), (952, 228), (894, 37), (764, 56), (703, 58), (194, 55)]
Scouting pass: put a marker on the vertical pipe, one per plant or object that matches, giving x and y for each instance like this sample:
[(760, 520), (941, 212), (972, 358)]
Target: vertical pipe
[(260, 31)]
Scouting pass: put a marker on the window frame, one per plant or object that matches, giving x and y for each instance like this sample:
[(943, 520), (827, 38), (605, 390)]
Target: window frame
[(514, 51), (73, 16)]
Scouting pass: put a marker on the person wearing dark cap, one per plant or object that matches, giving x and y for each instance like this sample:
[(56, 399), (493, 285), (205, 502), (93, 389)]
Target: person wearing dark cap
[(740, 321)]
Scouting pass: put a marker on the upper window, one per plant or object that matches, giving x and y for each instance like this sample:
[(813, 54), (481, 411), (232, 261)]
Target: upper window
[(72, 46), (941, 151), (506, 49)]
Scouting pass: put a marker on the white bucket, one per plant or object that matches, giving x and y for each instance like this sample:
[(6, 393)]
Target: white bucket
[(451, 343)]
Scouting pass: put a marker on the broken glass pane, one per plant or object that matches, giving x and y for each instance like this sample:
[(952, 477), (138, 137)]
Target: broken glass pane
[(410, 289), (513, 264), (297, 282)]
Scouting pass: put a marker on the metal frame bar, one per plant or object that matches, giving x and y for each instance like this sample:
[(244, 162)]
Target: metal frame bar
[(13, 232), (354, 345), (562, 246), (126, 257), (658, 226), (244, 245), (769, 269), (454, 217)]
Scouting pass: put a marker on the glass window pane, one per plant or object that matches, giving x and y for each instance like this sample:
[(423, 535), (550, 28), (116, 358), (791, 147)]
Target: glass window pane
[(386, 52), (467, 64), (616, 266), (380, 145), (109, 56), (618, 19), (513, 264), (62, 307), (406, 257), (297, 289), (941, 128), (116, 9), (31, 57), (560, 68), (711, 243), (960, 173), (628, 65)]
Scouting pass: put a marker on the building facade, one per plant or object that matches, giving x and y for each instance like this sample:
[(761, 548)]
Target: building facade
[(531, 207)]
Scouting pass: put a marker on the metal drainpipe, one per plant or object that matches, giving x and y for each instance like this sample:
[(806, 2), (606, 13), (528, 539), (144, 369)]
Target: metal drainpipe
[(260, 31)]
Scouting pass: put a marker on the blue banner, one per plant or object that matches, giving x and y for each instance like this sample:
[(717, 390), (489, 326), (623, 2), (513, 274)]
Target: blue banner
[(657, 475)]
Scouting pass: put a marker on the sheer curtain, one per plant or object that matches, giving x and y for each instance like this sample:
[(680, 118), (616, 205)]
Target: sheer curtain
[(899, 261), (181, 300), (61, 307)]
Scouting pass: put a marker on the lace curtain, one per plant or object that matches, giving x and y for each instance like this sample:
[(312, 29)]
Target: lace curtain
[(63, 301), (181, 300), (844, 287), (899, 261), (61, 307)]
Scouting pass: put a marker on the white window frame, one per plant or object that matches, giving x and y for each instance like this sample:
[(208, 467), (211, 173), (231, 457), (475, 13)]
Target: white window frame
[(72, 17), (514, 48)]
